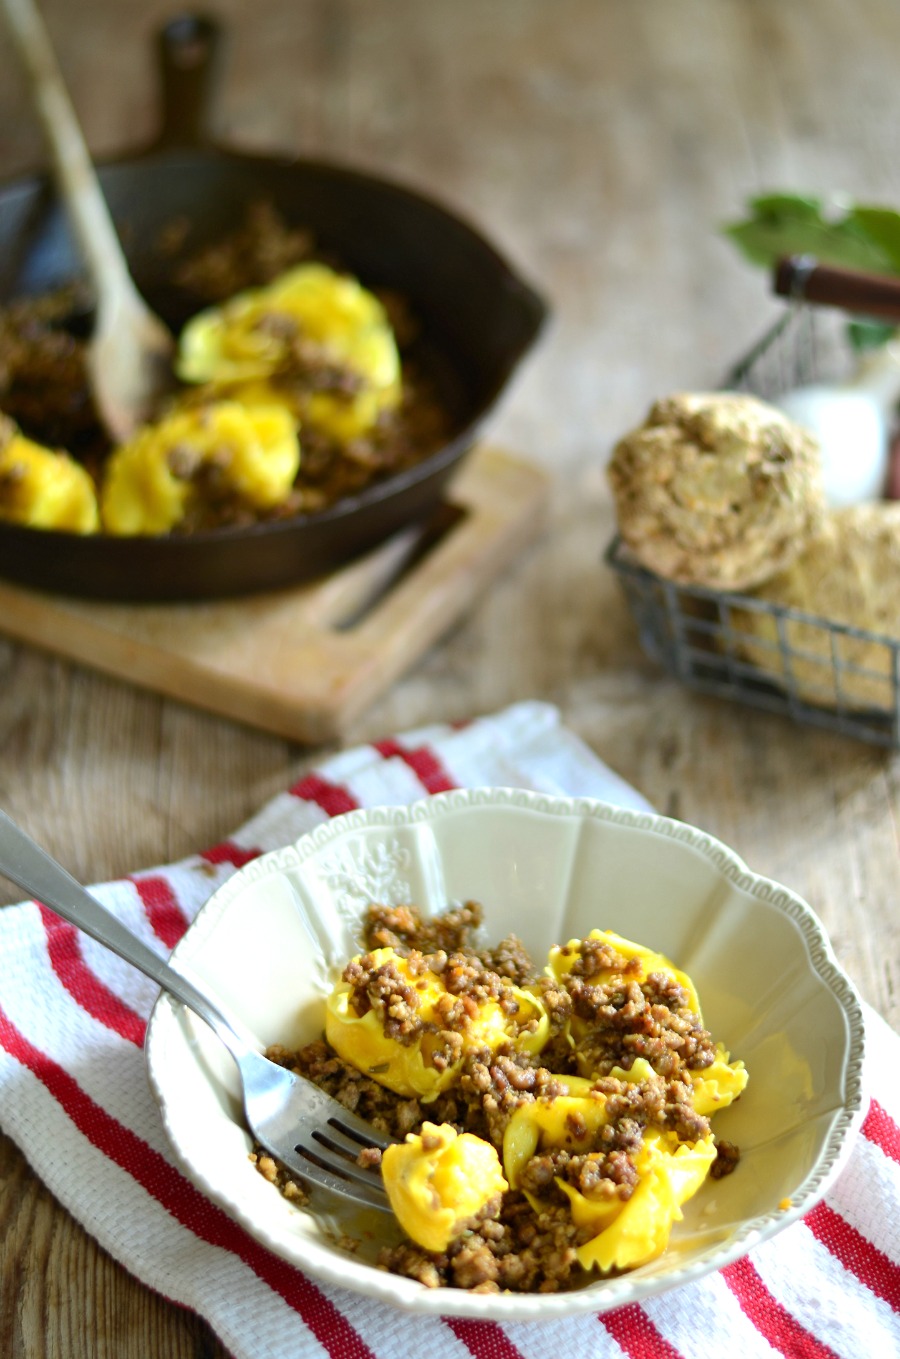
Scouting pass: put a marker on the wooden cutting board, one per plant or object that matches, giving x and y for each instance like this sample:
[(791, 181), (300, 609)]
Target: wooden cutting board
[(304, 662)]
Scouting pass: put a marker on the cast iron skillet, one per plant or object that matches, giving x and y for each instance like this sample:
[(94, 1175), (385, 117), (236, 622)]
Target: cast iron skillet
[(478, 319)]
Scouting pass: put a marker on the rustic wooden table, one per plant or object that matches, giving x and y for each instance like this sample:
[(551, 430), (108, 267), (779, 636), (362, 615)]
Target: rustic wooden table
[(602, 143)]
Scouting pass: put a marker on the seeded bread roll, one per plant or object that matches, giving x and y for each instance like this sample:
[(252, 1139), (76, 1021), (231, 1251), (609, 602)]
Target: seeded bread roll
[(848, 574), (717, 489)]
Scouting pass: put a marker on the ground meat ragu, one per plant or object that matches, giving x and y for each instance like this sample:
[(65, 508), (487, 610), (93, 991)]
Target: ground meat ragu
[(468, 983), (386, 990), (512, 1246), (652, 1020), (403, 929), (727, 1157), (594, 957)]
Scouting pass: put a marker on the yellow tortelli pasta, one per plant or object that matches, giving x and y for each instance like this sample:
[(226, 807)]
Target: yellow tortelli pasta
[(42, 488), (250, 454), (438, 1180), (426, 1066), (620, 1146), (311, 313)]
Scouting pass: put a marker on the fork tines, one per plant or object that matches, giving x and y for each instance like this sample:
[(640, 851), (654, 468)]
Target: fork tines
[(331, 1163), (329, 1158)]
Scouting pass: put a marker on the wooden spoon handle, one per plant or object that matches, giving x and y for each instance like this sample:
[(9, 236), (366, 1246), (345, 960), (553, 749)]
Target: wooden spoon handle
[(77, 179), (803, 278)]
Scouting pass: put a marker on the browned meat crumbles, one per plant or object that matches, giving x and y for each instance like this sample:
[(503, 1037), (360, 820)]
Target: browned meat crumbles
[(521, 1251), (727, 1157), (468, 981), (593, 956), (495, 1084), (276, 1174), (631, 1020), (601, 1174), (602, 1012), (330, 471), (260, 249), (403, 929), (43, 380), (383, 988)]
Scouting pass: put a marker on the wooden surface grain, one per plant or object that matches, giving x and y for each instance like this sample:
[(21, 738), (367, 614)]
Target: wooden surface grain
[(602, 144)]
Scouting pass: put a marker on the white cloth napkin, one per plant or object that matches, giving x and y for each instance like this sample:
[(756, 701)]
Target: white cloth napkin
[(74, 1097)]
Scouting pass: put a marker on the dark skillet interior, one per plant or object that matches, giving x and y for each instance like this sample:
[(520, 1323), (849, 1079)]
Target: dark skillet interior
[(478, 321)]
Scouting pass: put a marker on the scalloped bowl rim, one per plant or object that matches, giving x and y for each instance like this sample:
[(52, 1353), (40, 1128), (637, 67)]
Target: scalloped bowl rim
[(340, 1270)]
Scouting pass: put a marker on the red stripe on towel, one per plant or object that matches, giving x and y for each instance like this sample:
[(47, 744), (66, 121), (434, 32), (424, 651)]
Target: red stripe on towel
[(86, 989), (483, 1339), (881, 1129), (230, 853), (871, 1266), (773, 1321), (166, 917), (331, 797), (422, 761), (635, 1333), (185, 1203)]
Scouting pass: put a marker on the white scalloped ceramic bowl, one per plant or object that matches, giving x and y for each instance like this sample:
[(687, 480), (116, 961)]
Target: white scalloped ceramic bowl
[(270, 940)]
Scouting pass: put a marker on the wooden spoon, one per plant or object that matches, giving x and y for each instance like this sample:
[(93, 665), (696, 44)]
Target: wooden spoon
[(130, 351)]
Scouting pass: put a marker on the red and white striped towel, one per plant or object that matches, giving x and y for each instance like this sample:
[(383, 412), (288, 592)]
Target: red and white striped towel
[(74, 1096)]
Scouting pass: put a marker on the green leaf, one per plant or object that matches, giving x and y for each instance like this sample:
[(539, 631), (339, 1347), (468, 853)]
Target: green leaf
[(790, 226), (859, 236), (882, 227), (775, 205), (866, 334)]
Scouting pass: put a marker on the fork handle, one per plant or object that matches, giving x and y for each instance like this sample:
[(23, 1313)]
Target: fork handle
[(33, 869)]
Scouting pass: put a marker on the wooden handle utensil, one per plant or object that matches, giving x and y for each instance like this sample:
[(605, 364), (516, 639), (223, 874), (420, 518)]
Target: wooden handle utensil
[(129, 354)]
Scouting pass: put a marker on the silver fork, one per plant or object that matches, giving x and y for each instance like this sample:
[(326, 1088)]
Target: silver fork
[(313, 1135)]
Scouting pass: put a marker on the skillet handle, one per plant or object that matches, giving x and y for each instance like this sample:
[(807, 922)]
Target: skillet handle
[(188, 51)]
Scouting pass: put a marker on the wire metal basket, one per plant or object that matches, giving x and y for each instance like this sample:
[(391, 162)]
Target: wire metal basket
[(734, 646)]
